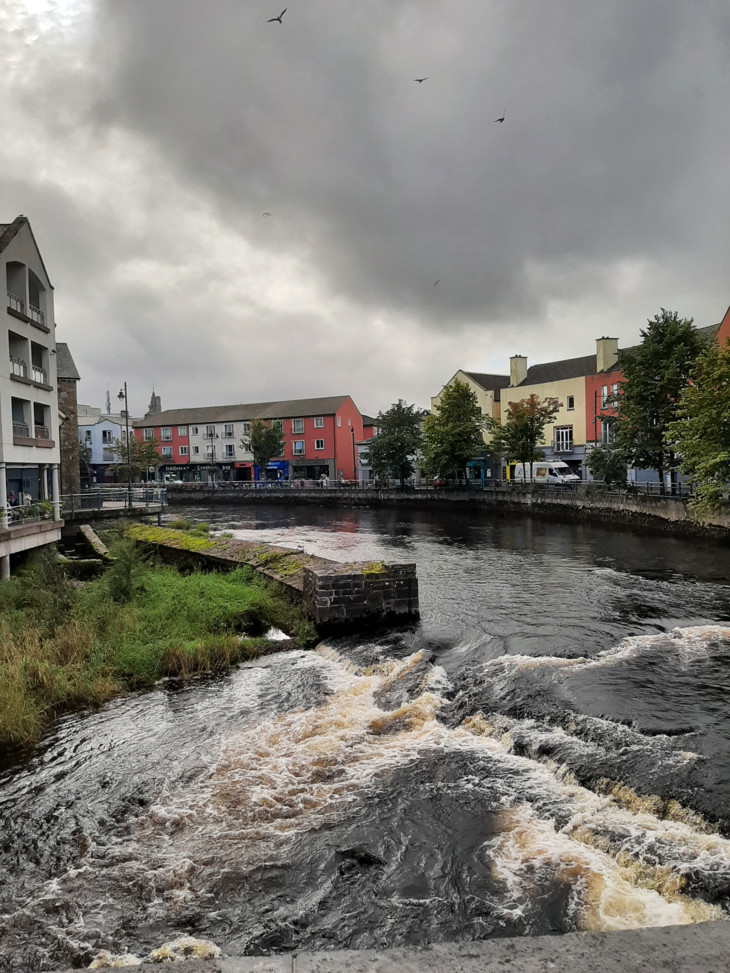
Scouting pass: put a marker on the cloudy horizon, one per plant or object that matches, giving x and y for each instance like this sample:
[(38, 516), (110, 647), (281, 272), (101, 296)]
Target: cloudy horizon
[(148, 138)]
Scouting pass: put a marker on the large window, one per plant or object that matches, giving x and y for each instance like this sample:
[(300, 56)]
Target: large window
[(165, 434), (319, 422), (228, 430), (149, 434), (319, 443), (297, 425), (569, 402), (278, 424), (604, 396), (230, 451), (608, 434), (196, 450), (247, 429), (166, 452), (193, 430), (298, 447), (106, 437), (182, 430), (183, 450), (563, 439), (210, 432)]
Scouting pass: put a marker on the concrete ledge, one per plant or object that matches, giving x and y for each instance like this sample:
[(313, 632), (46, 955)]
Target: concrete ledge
[(700, 948)]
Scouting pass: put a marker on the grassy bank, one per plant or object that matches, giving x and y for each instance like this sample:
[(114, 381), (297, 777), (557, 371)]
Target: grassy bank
[(64, 646)]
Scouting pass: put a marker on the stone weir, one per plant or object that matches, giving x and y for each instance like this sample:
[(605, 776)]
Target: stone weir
[(336, 596)]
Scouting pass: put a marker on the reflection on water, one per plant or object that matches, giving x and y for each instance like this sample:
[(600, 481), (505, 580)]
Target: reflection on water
[(547, 750)]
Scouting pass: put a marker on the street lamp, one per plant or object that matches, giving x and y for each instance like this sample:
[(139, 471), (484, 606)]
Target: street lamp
[(354, 458), (123, 395)]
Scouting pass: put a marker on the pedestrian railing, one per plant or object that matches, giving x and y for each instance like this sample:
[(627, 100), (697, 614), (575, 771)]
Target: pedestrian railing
[(110, 497)]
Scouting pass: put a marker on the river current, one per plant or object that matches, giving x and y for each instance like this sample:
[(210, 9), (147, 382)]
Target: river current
[(547, 750)]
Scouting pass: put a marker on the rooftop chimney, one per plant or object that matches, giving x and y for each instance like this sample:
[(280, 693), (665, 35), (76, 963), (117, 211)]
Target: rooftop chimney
[(606, 354), (517, 369)]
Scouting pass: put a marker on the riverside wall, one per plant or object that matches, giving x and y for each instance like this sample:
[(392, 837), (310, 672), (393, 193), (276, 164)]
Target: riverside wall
[(665, 513), (336, 596)]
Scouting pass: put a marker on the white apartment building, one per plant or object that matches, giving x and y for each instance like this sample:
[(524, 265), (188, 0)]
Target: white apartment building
[(100, 432), (29, 419)]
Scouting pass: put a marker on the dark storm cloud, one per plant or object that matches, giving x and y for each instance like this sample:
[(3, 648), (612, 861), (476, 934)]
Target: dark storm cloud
[(616, 124)]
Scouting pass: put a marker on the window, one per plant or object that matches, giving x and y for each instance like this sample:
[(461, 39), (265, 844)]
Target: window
[(319, 443), (165, 434), (614, 392), (230, 451), (298, 447), (278, 424), (608, 434), (228, 429), (604, 396), (193, 430), (339, 421), (182, 430), (563, 439), (196, 450), (183, 450), (149, 434), (247, 429), (106, 437), (297, 425), (210, 432), (319, 422), (166, 452), (87, 436), (570, 402)]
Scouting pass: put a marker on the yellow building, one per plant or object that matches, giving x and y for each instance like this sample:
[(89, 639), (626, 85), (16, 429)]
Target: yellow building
[(487, 388)]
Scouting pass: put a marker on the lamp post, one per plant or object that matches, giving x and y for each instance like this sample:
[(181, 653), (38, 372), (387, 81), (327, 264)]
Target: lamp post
[(123, 395), (354, 458)]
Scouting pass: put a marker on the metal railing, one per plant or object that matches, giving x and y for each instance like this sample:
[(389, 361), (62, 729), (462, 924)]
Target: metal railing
[(21, 429), (35, 314), (39, 375), (41, 432), (18, 367), (16, 303), (114, 496)]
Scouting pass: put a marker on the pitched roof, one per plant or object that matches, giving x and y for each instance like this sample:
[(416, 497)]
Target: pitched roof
[(65, 366), (490, 383), (555, 371), (8, 232), (283, 409)]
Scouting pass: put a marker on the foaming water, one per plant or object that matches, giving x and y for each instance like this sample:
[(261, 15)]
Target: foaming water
[(491, 772)]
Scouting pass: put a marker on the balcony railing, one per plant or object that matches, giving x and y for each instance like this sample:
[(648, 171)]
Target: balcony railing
[(40, 375), (562, 447), (16, 303), (21, 429), (41, 432), (35, 314), (18, 367)]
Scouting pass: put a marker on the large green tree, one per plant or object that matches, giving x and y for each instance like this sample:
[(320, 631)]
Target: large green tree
[(608, 464), (392, 451), (453, 434), (266, 442), (518, 438), (141, 457), (655, 372), (700, 433)]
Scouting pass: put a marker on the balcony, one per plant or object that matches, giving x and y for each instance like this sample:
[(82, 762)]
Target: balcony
[(36, 315), (39, 375), (18, 367), (41, 432), (562, 448), (21, 429), (15, 303)]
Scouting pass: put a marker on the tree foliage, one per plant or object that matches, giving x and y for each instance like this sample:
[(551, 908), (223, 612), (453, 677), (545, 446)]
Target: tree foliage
[(655, 372), (608, 464), (700, 433), (392, 451), (518, 438), (266, 442), (141, 457), (453, 435)]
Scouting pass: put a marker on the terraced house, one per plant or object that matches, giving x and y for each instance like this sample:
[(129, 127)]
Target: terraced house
[(29, 417), (213, 442)]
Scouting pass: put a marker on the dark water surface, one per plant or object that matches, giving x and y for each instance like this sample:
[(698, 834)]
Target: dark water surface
[(549, 749)]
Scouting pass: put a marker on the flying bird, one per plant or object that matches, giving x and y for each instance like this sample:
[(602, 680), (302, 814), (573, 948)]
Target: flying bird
[(437, 282), (277, 20), (504, 115), (420, 80), (266, 214)]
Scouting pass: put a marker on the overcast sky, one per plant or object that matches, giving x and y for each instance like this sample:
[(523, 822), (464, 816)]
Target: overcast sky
[(145, 139)]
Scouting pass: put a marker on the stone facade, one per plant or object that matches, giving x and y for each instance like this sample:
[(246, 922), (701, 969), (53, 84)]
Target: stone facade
[(360, 594), (68, 376)]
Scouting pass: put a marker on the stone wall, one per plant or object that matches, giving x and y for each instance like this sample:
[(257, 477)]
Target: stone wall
[(360, 594), (69, 438)]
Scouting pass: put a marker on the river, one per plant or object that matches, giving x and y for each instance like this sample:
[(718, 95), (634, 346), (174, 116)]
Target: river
[(547, 750)]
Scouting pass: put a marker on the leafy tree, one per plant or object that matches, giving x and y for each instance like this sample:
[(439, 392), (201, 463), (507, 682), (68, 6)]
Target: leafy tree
[(655, 372), (518, 438), (141, 457), (85, 462), (391, 452), (608, 463), (453, 435), (700, 433), (266, 442)]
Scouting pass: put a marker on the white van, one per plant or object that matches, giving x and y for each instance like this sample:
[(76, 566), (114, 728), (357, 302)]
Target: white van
[(551, 473)]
